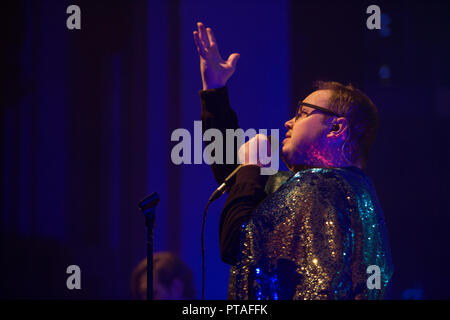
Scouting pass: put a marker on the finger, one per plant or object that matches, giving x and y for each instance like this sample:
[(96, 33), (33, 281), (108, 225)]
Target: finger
[(233, 59), (200, 39), (203, 35), (200, 48), (212, 39)]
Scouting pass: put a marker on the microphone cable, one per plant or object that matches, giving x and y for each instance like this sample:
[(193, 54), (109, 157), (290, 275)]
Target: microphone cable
[(203, 248), (216, 195)]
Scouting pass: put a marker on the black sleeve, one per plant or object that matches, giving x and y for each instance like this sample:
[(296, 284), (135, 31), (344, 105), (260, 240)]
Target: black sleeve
[(248, 188), (217, 113), (244, 196)]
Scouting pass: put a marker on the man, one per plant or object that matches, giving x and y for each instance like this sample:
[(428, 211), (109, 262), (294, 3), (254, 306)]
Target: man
[(314, 233)]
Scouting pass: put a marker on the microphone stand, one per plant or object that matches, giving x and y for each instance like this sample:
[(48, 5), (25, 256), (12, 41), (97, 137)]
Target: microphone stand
[(148, 208)]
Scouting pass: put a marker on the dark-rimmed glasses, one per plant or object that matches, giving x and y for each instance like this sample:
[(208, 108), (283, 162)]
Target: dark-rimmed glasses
[(324, 110)]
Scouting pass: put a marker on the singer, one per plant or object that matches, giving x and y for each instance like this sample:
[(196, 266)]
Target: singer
[(311, 233)]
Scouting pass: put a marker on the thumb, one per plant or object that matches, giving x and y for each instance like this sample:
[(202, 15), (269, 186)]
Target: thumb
[(233, 58)]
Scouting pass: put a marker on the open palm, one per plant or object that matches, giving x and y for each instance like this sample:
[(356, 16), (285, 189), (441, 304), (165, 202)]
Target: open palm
[(215, 71)]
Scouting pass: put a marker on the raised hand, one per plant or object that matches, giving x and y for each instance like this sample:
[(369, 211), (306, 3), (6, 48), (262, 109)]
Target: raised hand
[(214, 70)]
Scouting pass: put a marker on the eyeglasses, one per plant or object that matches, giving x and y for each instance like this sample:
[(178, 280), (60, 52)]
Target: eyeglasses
[(300, 110)]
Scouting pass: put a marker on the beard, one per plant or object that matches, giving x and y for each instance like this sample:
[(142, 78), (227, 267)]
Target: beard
[(291, 166), (312, 155)]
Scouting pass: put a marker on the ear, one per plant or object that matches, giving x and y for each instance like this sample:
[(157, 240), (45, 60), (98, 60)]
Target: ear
[(341, 131)]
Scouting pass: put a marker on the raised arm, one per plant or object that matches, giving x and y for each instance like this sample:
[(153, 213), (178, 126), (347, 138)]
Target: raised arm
[(216, 109)]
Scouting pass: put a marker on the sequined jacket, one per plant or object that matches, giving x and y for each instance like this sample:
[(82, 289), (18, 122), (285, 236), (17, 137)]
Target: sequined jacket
[(316, 234)]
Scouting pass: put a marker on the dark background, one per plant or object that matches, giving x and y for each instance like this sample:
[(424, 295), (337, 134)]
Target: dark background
[(87, 117)]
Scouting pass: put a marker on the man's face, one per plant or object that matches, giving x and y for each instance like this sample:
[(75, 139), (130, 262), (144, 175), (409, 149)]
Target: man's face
[(306, 136)]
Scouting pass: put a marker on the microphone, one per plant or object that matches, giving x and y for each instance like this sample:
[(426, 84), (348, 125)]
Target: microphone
[(225, 185)]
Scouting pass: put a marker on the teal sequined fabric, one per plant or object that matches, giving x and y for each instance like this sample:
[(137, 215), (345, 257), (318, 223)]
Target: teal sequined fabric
[(314, 237)]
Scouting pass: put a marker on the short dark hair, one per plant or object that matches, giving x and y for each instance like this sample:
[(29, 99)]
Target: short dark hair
[(361, 114)]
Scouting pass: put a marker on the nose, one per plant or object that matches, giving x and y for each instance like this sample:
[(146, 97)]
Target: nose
[(288, 124)]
